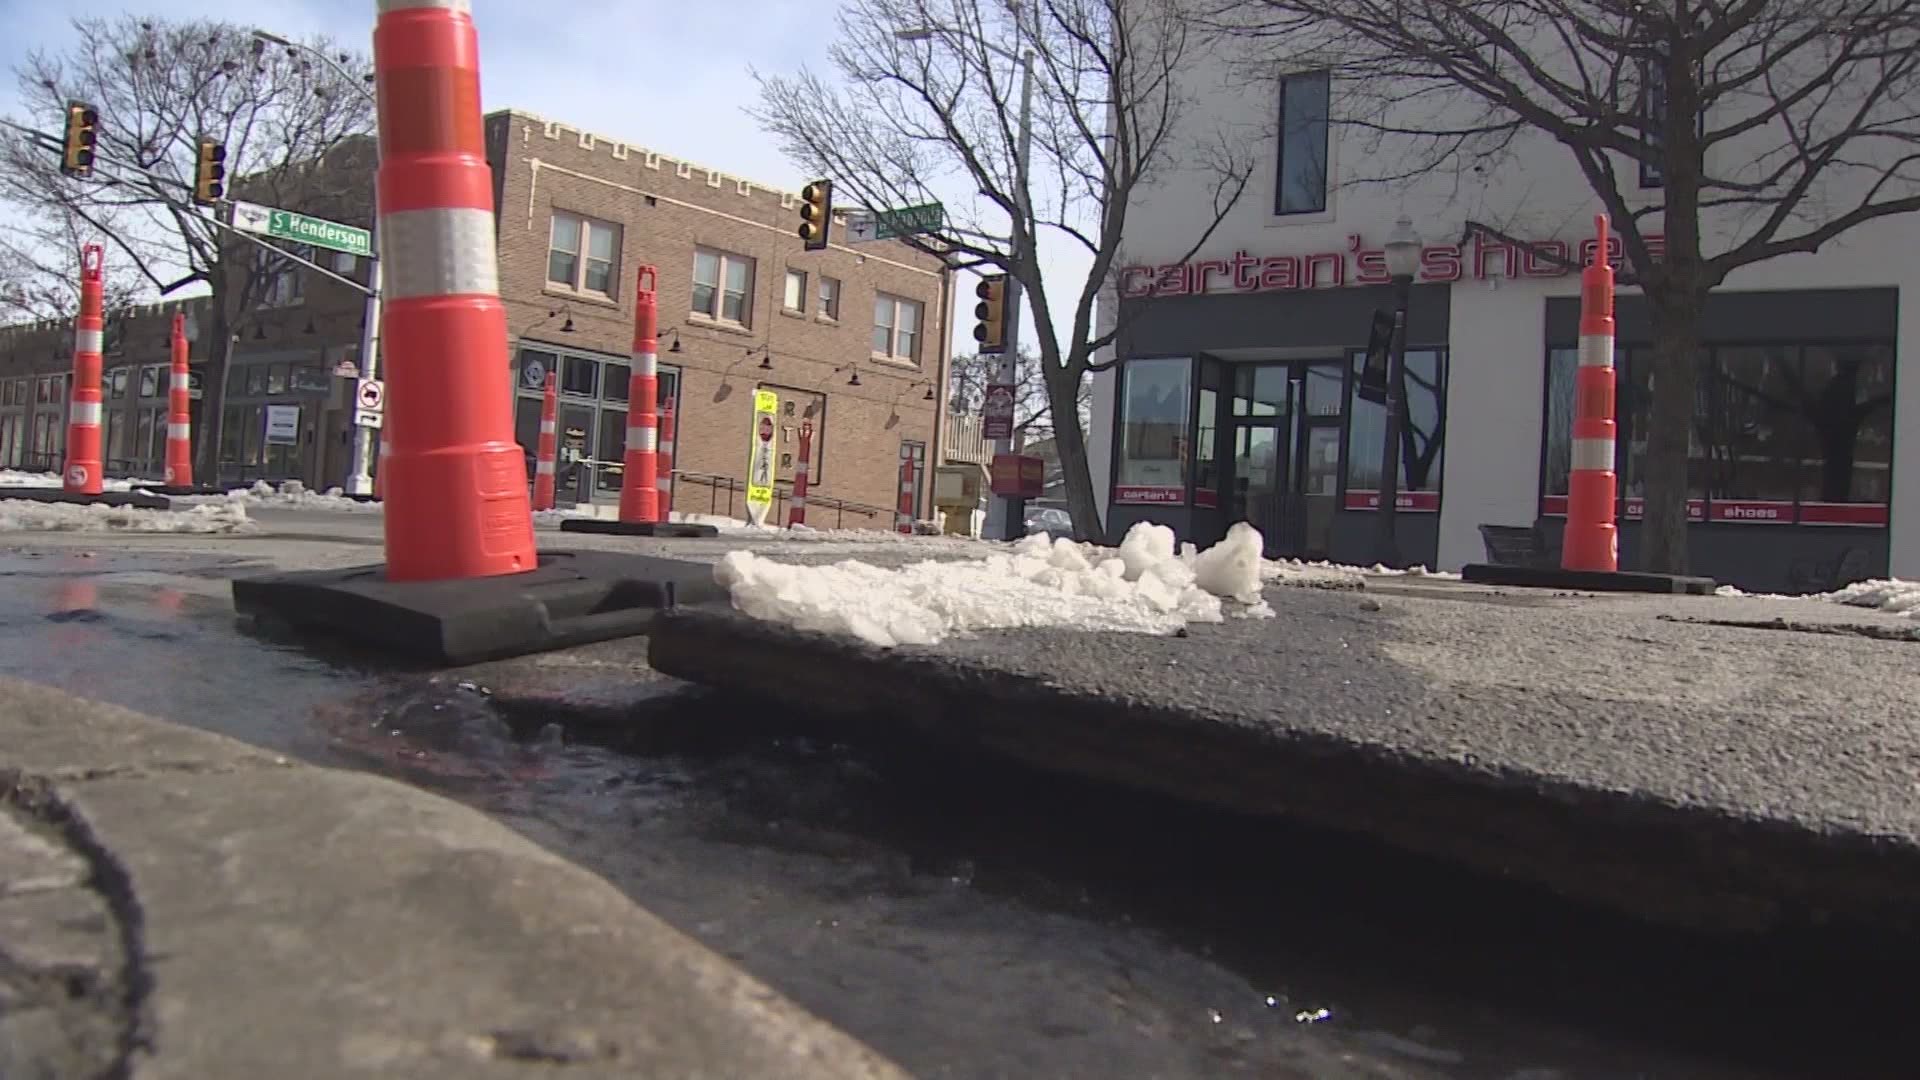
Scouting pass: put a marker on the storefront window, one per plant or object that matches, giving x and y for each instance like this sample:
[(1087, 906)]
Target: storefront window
[(117, 384), (619, 379), (257, 380), (612, 452), (535, 366), (1260, 390), (1772, 424), (1153, 429), (1422, 436), (149, 381), (578, 375), (276, 378)]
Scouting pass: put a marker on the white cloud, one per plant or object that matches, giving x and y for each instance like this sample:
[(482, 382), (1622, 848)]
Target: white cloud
[(673, 77)]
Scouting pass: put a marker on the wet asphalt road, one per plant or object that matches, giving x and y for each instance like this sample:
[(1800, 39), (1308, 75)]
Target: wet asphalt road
[(960, 916)]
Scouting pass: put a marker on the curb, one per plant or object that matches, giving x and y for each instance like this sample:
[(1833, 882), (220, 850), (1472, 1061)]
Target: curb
[(268, 918)]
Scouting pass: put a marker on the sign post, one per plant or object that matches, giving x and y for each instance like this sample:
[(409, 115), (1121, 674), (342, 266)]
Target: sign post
[(761, 448), (369, 402)]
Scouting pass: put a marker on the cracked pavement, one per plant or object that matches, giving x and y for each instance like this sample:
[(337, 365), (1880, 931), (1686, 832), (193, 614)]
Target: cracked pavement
[(177, 904)]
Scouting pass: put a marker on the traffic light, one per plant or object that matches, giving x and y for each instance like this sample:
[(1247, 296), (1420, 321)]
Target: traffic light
[(991, 332), (83, 129), (816, 213), (210, 173)]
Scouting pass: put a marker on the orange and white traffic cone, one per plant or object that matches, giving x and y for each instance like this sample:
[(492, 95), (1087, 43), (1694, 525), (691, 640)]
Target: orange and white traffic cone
[(179, 412), (1592, 539), (547, 448), (903, 516), (663, 464), (457, 505), (639, 497), (85, 473), (798, 514)]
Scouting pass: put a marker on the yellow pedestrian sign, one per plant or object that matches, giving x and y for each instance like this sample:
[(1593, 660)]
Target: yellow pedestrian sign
[(760, 472)]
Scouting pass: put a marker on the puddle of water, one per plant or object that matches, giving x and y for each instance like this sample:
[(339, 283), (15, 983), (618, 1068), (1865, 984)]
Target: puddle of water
[(970, 919)]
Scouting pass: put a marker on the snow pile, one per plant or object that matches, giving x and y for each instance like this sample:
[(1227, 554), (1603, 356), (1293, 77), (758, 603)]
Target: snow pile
[(1323, 573), (15, 478), (1143, 587), (1896, 596), (21, 515), (295, 495)]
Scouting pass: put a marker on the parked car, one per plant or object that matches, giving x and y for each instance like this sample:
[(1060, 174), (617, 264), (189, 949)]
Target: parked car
[(1050, 520)]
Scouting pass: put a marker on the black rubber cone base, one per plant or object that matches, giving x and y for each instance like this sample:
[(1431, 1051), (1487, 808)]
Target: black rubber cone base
[(571, 599), (1538, 577), (134, 500), (679, 529), (185, 489)]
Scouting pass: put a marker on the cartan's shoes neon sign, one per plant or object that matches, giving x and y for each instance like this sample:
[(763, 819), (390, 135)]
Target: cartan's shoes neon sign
[(1360, 265)]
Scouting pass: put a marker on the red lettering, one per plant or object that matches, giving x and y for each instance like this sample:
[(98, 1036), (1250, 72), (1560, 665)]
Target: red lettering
[(1336, 265), (1372, 266), (1280, 272), (1545, 259), (1440, 263), (1129, 276), (1203, 269), (1173, 280), (1483, 249), (1242, 280)]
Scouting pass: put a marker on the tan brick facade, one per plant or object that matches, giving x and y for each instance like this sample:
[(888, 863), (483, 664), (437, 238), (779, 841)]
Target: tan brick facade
[(661, 211)]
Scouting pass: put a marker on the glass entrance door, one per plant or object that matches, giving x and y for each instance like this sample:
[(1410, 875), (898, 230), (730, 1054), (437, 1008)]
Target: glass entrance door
[(1287, 453), (573, 471)]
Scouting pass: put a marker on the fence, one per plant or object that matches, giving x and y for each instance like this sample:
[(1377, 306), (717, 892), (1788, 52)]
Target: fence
[(846, 515), (966, 440)]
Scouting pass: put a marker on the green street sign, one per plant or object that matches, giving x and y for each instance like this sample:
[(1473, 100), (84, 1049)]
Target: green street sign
[(927, 217), (301, 229)]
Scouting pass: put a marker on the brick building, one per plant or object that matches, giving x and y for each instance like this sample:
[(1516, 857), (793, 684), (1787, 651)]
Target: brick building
[(853, 338)]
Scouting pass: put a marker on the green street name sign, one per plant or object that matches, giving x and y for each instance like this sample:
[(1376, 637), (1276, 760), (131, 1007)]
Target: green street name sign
[(301, 229), (927, 217)]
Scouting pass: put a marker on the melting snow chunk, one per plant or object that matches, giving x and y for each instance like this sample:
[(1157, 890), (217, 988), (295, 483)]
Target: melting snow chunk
[(1145, 586)]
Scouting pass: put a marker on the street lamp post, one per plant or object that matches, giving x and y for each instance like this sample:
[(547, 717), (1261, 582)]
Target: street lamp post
[(359, 479), (1000, 511), (1403, 260)]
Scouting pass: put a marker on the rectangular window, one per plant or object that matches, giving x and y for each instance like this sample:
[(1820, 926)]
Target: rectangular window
[(116, 438), (257, 380), (797, 407), (795, 298), (1153, 431), (1422, 436), (1301, 171), (579, 375), (143, 439), (149, 381), (896, 327), (1773, 426), (582, 253), (276, 378), (829, 297), (618, 381), (117, 384), (281, 281), (722, 286)]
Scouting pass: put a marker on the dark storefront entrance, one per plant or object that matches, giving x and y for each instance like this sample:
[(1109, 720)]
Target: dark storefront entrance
[(1227, 410), (1283, 474)]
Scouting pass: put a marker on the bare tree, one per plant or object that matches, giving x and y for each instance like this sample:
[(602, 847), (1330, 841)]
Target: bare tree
[(919, 115), (1742, 130), (286, 122), (1032, 406), (40, 272)]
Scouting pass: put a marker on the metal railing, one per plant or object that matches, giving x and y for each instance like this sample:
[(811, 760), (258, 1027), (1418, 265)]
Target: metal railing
[(966, 440), (687, 500)]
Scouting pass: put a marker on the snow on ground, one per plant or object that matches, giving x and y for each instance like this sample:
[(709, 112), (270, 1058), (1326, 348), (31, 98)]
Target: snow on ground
[(21, 515), (291, 495), (1144, 586), (1895, 596), (13, 478)]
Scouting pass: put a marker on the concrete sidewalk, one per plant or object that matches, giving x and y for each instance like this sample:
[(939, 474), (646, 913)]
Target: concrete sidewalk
[(1709, 761), (177, 904)]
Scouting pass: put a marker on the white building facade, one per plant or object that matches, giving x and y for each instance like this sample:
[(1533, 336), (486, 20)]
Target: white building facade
[(1235, 396)]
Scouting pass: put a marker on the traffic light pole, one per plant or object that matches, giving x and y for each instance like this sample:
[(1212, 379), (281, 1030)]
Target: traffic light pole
[(360, 475), (1003, 511)]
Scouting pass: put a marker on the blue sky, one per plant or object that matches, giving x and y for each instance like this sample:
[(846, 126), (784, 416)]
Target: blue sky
[(671, 76)]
